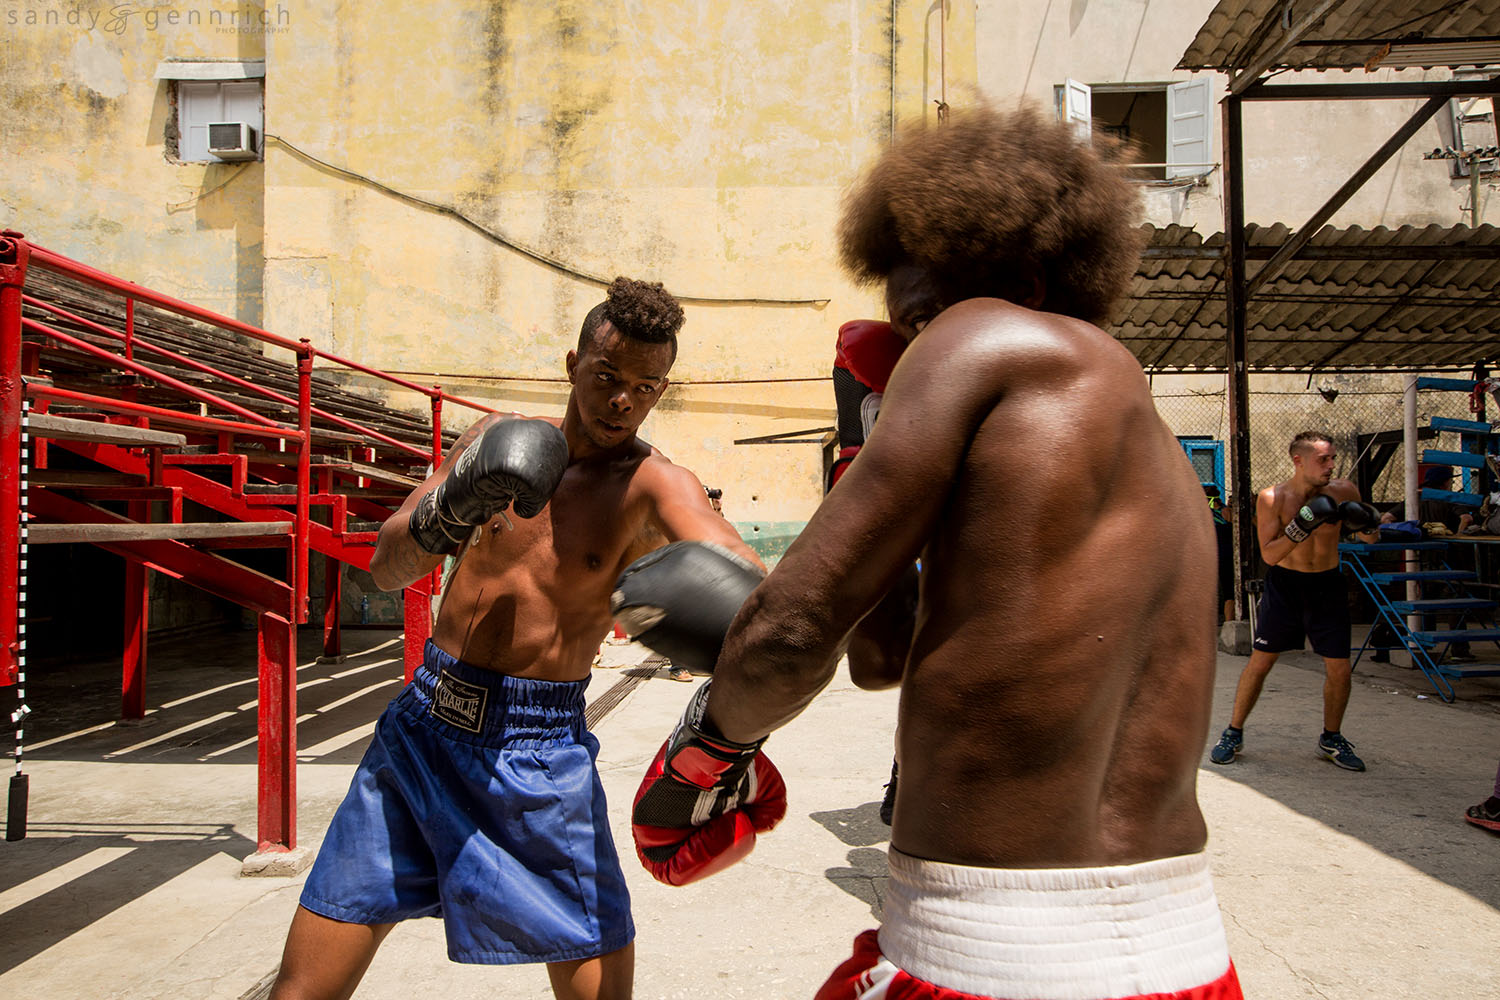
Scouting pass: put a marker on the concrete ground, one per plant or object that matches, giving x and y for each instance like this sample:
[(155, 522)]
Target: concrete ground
[(1333, 884)]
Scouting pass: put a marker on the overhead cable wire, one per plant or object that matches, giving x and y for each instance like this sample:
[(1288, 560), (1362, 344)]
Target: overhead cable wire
[(520, 248)]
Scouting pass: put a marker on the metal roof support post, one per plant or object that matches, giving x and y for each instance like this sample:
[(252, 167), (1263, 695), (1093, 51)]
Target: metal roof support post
[(14, 254), (1236, 349)]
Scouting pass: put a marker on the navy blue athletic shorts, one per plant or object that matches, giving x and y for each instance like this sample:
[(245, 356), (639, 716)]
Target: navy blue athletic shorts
[(1298, 606), (479, 801)]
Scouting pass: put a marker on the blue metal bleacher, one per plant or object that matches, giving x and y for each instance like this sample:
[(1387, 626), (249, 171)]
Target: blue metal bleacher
[(1430, 648)]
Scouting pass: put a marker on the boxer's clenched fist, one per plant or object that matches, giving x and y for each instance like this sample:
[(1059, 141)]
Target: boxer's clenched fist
[(681, 599), (515, 463)]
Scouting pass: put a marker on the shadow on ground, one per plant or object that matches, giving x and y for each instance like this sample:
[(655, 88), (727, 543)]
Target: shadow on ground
[(1426, 762), (867, 873), (68, 877)]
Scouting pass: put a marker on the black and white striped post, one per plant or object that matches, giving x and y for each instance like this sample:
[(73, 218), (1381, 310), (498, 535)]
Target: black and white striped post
[(20, 781)]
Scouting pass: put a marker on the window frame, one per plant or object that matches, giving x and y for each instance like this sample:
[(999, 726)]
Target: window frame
[(1074, 100)]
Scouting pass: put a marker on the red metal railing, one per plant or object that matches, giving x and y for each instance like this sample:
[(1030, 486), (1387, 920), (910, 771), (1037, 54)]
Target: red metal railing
[(198, 366), (306, 355), (277, 635)]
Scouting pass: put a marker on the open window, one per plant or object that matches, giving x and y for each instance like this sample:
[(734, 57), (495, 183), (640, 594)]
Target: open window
[(1169, 126)]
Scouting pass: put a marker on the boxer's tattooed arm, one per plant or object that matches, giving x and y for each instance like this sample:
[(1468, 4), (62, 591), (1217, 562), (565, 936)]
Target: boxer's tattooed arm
[(468, 437), (407, 561)]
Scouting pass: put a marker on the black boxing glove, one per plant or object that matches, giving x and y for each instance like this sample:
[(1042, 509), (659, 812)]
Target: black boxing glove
[(515, 463), (1359, 516), (1318, 510), (680, 599)]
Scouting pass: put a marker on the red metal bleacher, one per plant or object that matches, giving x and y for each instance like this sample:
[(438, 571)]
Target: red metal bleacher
[(145, 411)]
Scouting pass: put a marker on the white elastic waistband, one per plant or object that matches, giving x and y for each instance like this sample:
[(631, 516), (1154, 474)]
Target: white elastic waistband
[(1055, 933)]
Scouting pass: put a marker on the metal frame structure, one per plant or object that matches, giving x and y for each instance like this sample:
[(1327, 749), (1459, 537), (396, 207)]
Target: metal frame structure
[(129, 439), (1251, 40), (1241, 286)]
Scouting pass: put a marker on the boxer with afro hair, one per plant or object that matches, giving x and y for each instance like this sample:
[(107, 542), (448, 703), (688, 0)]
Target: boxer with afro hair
[(990, 196), (1055, 645)]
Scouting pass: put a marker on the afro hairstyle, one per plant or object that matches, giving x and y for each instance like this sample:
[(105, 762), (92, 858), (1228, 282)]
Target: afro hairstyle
[(989, 195)]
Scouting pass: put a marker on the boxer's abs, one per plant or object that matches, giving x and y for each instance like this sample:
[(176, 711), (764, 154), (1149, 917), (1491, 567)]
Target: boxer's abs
[(524, 629)]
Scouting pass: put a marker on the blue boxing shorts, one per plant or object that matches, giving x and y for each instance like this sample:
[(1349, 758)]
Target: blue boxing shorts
[(478, 800), (1300, 606)]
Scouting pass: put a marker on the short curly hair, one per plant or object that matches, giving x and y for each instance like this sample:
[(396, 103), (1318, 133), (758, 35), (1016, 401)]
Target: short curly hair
[(979, 199), (641, 310)]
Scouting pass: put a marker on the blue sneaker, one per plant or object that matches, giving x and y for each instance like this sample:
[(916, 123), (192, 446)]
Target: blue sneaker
[(1340, 751), (1228, 748)]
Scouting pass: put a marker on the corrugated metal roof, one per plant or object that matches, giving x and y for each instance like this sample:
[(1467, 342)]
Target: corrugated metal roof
[(1353, 34), (1415, 306)]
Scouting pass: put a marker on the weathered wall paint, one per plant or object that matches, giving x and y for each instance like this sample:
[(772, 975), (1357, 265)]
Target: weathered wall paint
[(704, 145), (83, 130)]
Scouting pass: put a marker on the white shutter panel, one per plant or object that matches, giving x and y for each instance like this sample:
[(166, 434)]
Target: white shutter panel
[(1077, 108), (197, 104), (1190, 133), (242, 103)]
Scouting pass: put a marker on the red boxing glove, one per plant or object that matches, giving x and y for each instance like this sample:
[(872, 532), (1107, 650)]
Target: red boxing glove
[(703, 800), (869, 349), (841, 464)]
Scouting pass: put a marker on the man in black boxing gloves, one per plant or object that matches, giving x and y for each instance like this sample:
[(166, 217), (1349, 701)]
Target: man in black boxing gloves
[(478, 798), (1298, 524)]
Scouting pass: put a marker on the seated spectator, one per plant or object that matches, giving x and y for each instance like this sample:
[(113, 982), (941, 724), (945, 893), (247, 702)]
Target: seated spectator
[(1454, 517)]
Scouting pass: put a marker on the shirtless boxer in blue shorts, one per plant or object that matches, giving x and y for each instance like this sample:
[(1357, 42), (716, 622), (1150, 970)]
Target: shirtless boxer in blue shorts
[(1297, 524), (478, 799)]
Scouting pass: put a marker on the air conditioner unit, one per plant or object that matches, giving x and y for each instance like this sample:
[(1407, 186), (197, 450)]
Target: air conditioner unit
[(232, 140)]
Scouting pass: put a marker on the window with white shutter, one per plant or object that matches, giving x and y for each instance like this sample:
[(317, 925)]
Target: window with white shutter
[(227, 93), (1168, 127)]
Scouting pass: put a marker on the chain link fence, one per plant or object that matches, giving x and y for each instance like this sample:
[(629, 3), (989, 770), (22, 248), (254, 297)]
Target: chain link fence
[(1346, 408)]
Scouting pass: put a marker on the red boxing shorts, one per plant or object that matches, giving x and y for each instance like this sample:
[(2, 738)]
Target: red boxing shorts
[(1129, 932)]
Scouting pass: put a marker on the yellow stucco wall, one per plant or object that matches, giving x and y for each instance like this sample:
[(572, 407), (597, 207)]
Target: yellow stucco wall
[(704, 145), (82, 132)]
